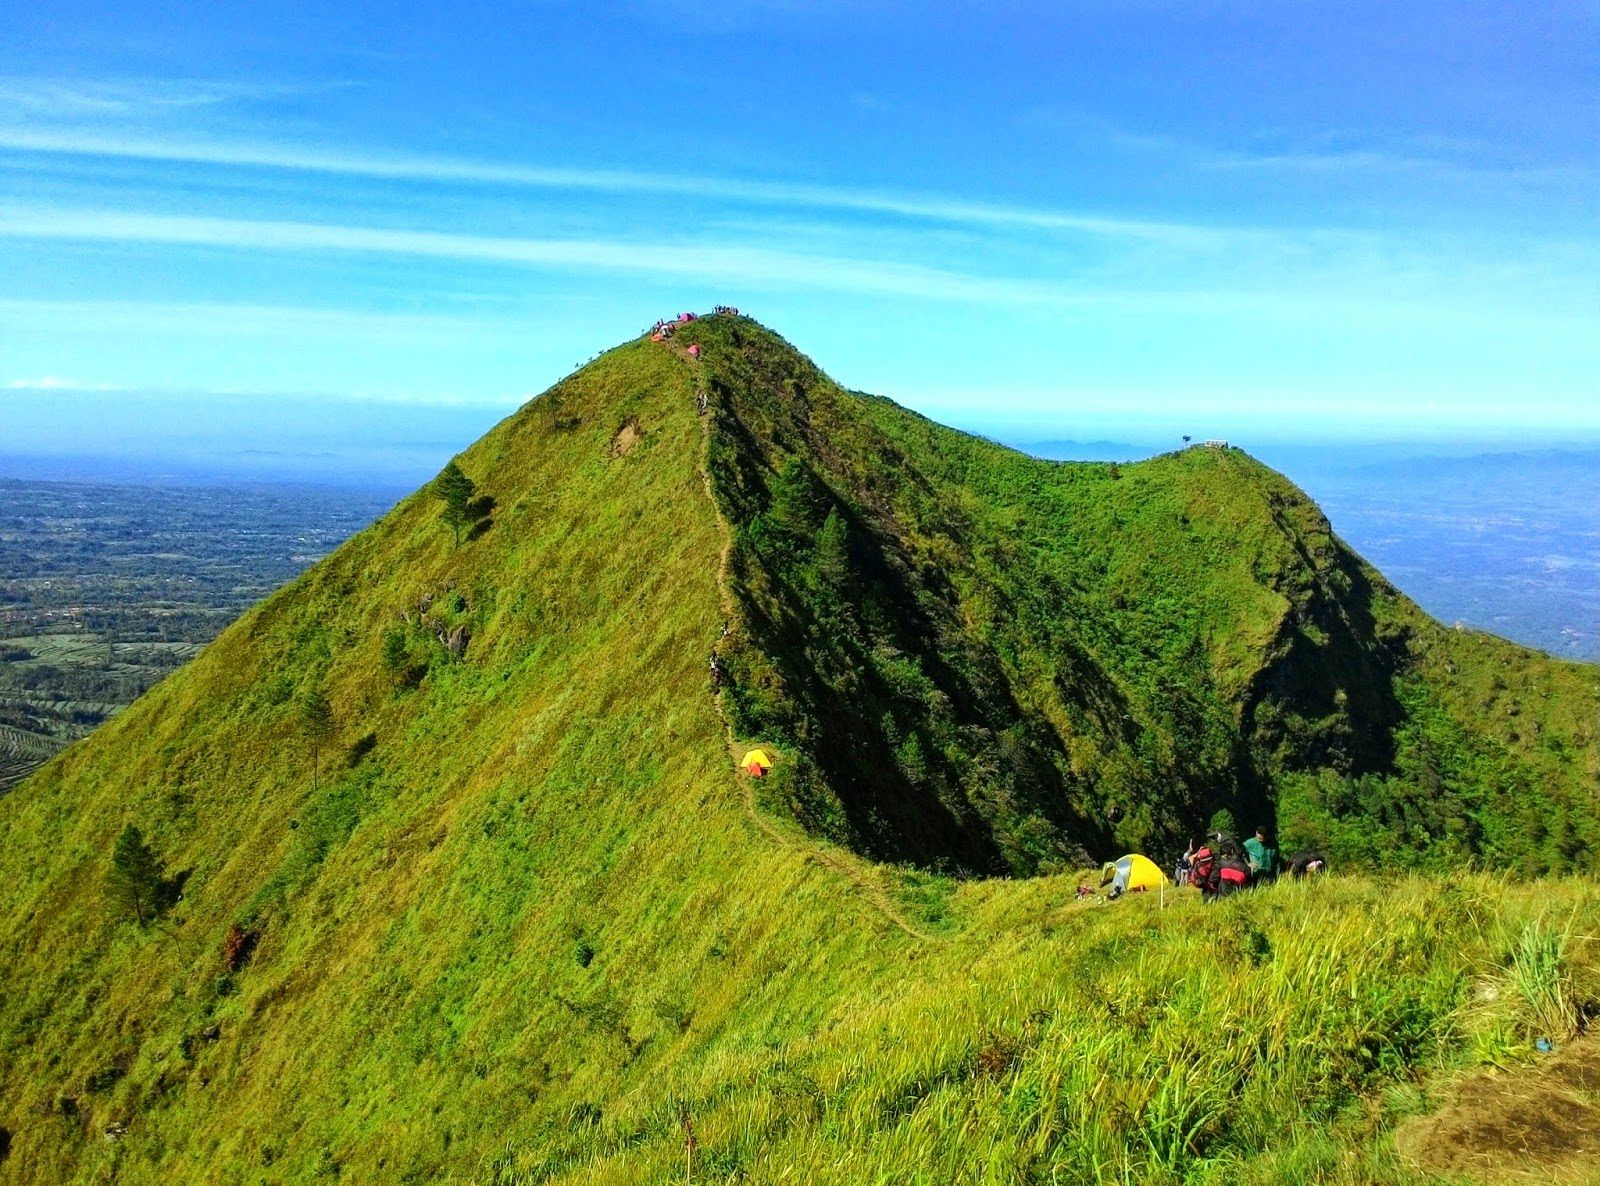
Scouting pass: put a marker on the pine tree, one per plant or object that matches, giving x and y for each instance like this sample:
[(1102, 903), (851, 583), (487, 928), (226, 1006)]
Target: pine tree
[(397, 660), (833, 551), (316, 724), (1222, 821), (134, 883), (455, 490), (794, 501)]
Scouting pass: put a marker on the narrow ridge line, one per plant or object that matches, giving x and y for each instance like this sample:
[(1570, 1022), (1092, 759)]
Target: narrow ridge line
[(873, 893)]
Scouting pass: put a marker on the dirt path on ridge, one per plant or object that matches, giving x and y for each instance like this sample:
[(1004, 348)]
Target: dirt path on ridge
[(849, 869)]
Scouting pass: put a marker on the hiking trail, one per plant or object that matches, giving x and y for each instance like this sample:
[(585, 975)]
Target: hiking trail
[(848, 869)]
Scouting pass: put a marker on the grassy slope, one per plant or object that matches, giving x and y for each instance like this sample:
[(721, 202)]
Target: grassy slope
[(1034, 653), (532, 926)]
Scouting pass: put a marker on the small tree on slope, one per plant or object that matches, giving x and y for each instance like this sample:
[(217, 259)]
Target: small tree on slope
[(316, 724), (455, 490), (134, 883)]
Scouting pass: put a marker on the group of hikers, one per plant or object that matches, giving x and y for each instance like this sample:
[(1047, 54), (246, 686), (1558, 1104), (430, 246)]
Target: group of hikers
[(1218, 867), (667, 326), (1223, 866)]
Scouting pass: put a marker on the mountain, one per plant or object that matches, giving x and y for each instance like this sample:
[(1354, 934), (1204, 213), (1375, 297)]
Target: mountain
[(1007, 661), (457, 879)]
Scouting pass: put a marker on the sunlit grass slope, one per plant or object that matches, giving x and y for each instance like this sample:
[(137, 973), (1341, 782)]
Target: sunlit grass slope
[(526, 927), (998, 663)]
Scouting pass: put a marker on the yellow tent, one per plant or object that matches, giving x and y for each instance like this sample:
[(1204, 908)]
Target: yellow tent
[(756, 762), (1132, 872)]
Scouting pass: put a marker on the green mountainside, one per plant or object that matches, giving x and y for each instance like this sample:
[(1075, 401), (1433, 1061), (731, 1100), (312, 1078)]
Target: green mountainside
[(999, 663), (518, 919)]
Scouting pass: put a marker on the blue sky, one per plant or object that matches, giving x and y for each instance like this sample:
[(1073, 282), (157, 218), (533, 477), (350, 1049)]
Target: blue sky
[(1115, 219)]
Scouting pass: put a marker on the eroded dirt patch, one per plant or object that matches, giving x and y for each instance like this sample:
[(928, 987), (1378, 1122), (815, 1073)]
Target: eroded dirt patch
[(1535, 1124), (627, 437)]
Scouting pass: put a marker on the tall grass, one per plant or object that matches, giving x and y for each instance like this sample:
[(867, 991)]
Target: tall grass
[(1145, 1046), (1538, 972)]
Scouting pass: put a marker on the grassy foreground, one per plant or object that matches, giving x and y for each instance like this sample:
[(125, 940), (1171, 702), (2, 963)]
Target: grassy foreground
[(1277, 1038), (526, 924)]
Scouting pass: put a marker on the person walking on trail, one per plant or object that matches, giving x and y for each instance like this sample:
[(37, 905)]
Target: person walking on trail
[(1262, 855)]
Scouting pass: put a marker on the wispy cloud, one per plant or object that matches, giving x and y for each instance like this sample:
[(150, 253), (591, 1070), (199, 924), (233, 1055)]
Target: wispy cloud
[(56, 98), (67, 388), (232, 318), (754, 267), (617, 181), (1365, 160), (1329, 152), (52, 383)]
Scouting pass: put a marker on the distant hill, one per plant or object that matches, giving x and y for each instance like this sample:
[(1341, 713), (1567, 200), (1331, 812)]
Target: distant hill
[(457, 878)]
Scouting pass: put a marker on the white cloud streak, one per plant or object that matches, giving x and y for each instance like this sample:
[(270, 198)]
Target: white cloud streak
[(233, 318), (615, 181), (753, 267), (52, 383), (67, 98)]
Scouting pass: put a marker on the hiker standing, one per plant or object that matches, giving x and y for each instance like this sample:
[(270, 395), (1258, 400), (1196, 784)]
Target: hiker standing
[(1183, 874), (1263, 856), (1233, 870)]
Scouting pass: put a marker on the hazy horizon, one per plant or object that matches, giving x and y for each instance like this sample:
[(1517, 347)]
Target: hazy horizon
[(368, 441), (1368, 220), (1502, 540)]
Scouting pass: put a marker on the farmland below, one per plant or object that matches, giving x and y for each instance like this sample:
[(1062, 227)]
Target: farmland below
[(104, 589)]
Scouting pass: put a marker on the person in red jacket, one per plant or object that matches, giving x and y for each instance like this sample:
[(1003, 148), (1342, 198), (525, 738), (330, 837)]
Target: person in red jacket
[(1219, 868)]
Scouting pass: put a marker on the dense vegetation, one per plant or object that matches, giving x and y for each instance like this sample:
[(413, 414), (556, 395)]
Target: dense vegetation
[(517, 919), (996, 662)]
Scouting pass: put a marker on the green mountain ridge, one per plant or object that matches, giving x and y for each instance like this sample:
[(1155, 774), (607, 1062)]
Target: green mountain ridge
[(525, 924), (1057, 659)]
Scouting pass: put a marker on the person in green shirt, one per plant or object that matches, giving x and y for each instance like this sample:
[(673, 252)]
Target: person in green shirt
[(1263, 856)]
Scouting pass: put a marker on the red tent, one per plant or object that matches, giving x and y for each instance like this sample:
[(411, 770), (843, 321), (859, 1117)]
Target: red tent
[(694, 351)]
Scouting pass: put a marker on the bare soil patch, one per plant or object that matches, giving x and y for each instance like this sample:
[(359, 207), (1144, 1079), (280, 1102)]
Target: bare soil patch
[(627, 437), (1535, 1124)]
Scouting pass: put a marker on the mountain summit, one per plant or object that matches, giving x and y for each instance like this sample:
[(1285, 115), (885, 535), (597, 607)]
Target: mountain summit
[(449, 847)]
